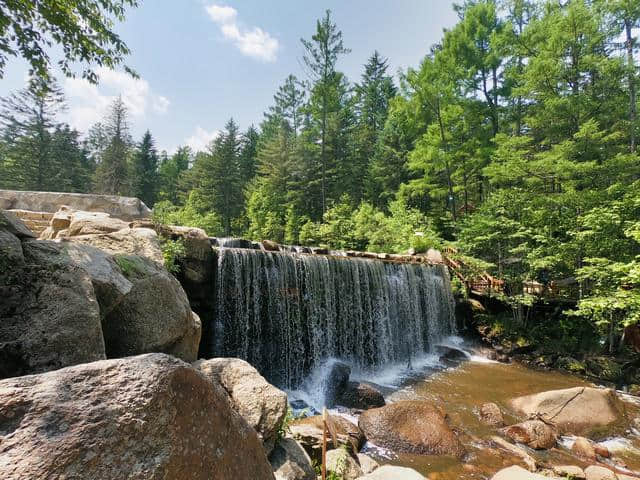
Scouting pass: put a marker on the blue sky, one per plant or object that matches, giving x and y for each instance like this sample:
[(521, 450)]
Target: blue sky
[(204, 61)]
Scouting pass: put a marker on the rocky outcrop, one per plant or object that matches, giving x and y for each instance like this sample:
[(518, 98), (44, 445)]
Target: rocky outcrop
[(132, 241), (308, 431), (388, 472), (361, 396), (124, 208), (416, 427), (533, 433), (291, 462), (155, 316), (262, 405), (50, 316), (150, 416), (580, 410), (342, 465)]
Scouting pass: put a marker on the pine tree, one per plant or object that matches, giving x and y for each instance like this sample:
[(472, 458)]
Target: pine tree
[(28, 119), (288, 103), (112, 172), (321, 55), (145, 170)]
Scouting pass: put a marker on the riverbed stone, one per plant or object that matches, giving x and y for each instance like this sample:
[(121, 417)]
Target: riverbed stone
[(336, 381), (262, 405), (290, 461), (411, 426), (362, 396), (389, 472), (533, 433), (518, 473), (580, 410), (583, 448), (150, 416), (308, 431), (367, 464), (571, 471), (595, 472), (343, 465), (491, 415)]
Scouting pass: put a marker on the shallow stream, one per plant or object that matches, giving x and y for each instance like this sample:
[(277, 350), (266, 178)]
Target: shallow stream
[(462, 389)]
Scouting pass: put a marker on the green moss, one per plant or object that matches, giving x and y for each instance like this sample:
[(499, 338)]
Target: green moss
[(131, 266)]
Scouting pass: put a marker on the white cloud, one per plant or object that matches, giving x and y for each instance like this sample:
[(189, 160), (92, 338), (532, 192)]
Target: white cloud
[(254, 42), (89, 103), (201, 139)]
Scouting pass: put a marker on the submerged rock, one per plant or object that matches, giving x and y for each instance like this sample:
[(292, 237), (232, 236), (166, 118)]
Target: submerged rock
[(491, 415), (580, 410), (361, 396), (533, 433), (144, 417), (291, 462), (262, 405), (518, 473), (411, 427)]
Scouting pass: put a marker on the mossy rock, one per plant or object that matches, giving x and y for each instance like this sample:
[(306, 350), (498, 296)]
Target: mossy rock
[(133, 266), (571, 365), (605, 368)]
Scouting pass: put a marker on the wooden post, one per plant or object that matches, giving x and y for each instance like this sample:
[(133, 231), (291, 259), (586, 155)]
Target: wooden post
[(324, 444)]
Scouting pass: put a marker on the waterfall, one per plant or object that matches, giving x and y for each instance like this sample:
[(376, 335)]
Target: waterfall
[(286, 312)]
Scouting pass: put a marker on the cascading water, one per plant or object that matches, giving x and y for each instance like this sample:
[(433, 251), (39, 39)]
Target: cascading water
[(286, 313)]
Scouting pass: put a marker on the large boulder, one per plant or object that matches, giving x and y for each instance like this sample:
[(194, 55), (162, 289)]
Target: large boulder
[(50, 316), (197, 264), (125, 208), (580, 410), (388, 472), (133, 241), (88, 223), (290, 462), (416, 427), (533, 433), (308, 431), (519, 473), (13, 225), (361, 396), (596, 472), (155, 316), (144, 417), (262, 405)]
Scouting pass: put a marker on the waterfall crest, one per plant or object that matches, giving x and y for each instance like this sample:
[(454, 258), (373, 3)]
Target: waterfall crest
[(285, 312)]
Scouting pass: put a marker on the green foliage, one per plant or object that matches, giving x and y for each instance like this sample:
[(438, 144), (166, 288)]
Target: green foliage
[(82, 28), (172, 252), (130, 266), (192, 214)]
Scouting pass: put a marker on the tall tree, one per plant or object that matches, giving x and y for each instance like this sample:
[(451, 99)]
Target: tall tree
[(114, 144), (145, 170), (218, 177), (288, 103), (321, 55), (28, 118)]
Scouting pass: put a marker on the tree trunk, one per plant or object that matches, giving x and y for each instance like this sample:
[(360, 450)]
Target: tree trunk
[(632, 85)]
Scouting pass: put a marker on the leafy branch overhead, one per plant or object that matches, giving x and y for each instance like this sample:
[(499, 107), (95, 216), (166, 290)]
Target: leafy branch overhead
[(83, 29)]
